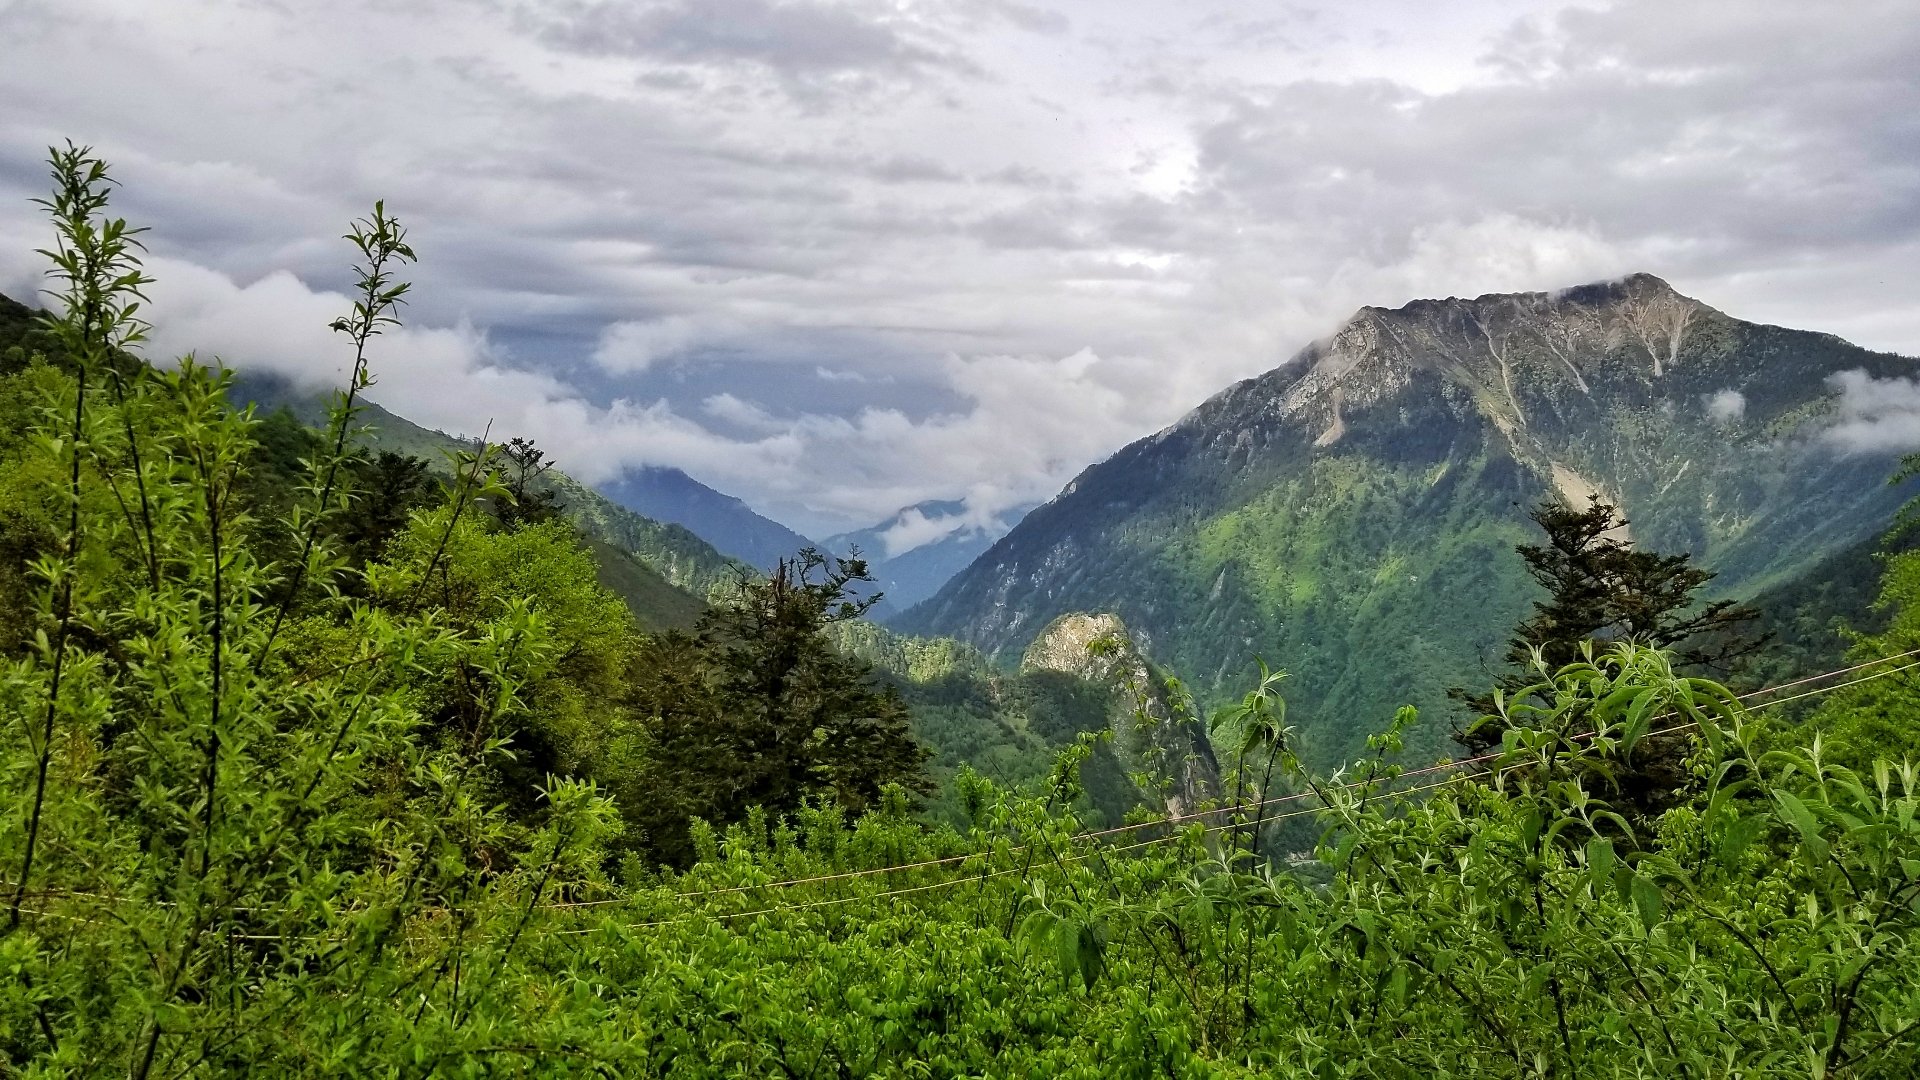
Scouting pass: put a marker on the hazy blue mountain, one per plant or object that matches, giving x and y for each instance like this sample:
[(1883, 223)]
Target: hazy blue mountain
[(1350, 516), (722, 520), (918, 572)]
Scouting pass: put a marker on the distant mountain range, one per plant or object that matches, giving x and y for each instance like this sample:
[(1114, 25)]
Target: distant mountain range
[(935, 540), (666, 494), (1350, 516)]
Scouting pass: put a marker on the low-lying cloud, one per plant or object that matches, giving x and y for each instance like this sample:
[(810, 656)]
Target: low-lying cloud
[(1875, 416), (1726, 406), (915, 528)]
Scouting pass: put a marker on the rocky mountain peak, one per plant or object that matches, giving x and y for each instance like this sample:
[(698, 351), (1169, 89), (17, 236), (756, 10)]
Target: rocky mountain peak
[(1530, 363), (1351, 515)]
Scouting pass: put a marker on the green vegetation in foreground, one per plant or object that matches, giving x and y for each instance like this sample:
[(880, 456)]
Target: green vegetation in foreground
[(685, 561), (275, 812)]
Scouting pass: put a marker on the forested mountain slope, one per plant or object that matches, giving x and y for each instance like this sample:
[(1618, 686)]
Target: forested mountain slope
[(1011, 726), (1350, 516), (724, 521), (685, 563)]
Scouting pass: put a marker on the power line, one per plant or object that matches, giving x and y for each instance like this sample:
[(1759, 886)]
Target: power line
[(1091, 835), (961, 880), (1444, 766)]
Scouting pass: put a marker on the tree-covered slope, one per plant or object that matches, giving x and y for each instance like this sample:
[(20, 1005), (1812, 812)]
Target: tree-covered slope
[(683, 560), (1350, 516), (724, 521), (18, 330), (1012, 726)]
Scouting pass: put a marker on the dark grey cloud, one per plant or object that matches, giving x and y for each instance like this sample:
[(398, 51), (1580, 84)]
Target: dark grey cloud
[(810, 46), (1755, 130), (1013, 234)]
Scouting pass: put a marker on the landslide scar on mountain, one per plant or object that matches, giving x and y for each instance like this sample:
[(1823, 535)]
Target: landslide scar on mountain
[(1577, 489), (1339, 425)]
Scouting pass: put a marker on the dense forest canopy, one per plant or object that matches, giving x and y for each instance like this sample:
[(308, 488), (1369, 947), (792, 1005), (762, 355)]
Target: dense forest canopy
[(327, 762)]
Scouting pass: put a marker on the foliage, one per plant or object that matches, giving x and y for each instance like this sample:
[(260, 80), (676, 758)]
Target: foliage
[(254, 829), (525, 502), (1601, 588), (1009, 727), (756, 708), (1880, 716)]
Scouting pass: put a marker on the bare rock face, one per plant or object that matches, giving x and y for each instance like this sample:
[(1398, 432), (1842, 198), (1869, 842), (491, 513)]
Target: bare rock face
[(1152, 733)]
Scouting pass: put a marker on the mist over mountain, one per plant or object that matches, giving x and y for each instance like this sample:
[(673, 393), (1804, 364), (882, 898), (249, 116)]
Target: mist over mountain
[(920, 548), (1350, 515)]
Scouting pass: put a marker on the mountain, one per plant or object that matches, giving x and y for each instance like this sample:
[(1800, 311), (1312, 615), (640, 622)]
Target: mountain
[(919, 571), (1151, 732), (663, 571), (1350, 516), (1012, 726), (724, 521)]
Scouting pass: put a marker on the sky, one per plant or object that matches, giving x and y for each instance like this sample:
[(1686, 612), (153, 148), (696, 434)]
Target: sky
[(840, 256)]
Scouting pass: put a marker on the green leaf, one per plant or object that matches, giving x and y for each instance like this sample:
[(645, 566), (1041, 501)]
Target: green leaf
[(1647, 901), (1801, 818), (1600, 861), (1090, 954), (1736, 838)]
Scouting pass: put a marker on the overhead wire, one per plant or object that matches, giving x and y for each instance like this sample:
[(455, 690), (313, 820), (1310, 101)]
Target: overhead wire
[(1186, 819), (966, 878), (1177, 824)]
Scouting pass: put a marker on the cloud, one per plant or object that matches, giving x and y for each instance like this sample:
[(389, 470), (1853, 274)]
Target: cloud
[(627, 347), (842, 256), (826, 374), (913, 527), (808, 45), (857, 468), (1726, 406), (1875, 416), (742, 414)]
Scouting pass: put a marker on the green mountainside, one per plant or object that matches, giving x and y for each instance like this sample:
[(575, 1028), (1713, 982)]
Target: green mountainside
[(669, 495), (1011, 726), (1350, 516), (663, 570)]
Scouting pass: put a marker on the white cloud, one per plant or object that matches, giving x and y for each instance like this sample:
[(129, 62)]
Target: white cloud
[(1875, 415), (857, 468), (914, 529), (741, 413), (629, 347), (1726, 406), (1070, 220)]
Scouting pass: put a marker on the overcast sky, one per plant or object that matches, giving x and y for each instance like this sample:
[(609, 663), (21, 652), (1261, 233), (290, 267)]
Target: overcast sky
[(838, 256)]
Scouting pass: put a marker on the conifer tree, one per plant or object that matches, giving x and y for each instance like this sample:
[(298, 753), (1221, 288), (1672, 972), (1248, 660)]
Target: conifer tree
[(1601, 589), (521, 467), (757, 708)]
